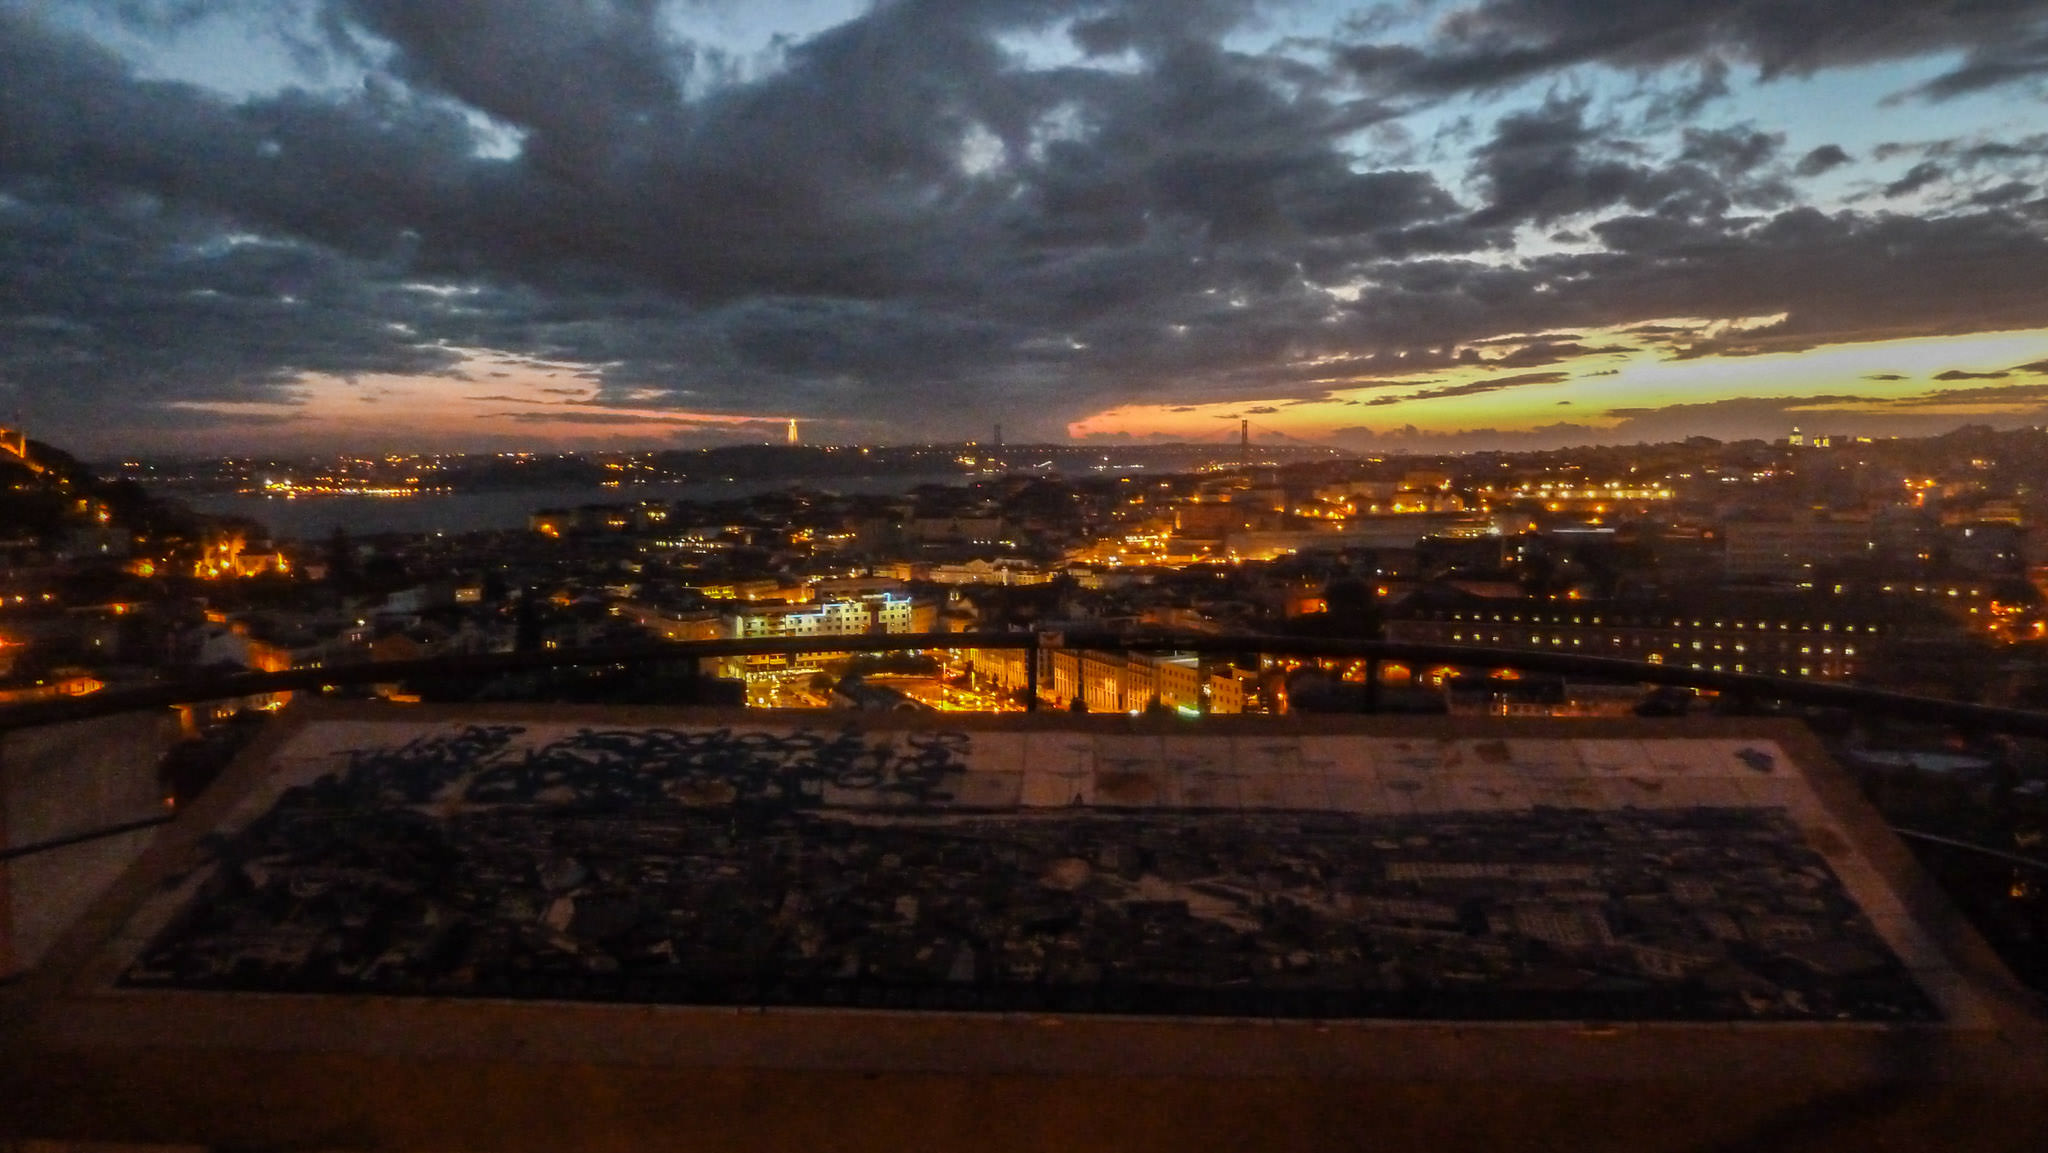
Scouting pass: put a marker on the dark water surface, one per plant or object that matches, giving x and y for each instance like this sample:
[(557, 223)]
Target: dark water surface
[(308, 518)]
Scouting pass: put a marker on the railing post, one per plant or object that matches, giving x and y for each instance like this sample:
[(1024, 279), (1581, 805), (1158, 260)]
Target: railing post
[(1031, 674), (1372, 684), (8, 967)]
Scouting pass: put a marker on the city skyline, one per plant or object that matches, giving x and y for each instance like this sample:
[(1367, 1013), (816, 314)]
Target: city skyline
[(1420, 225)]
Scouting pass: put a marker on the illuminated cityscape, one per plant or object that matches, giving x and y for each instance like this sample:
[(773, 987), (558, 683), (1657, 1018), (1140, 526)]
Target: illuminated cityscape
[(1915, 565)]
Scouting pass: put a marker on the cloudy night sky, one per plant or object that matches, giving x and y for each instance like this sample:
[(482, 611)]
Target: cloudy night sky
[(234, 225)]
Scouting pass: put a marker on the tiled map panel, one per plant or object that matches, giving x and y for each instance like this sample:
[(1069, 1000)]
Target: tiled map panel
[(1283, 875)]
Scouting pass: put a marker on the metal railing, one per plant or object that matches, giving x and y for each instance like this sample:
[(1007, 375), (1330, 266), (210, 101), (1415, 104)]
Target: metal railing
[(33, 848), (1744, 686)]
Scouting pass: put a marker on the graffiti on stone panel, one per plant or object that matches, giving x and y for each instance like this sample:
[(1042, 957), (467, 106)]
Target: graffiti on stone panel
[(897, 870), (623, 768)]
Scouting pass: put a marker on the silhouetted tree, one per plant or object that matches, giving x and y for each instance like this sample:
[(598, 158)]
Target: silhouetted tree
[(341, 558), (1351, 609), (526, 623)]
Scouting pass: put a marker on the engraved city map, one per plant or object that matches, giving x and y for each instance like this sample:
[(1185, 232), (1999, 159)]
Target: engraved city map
[(1304, 876)]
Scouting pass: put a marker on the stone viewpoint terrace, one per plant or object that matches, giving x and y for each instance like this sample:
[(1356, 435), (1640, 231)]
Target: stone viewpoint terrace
[(599, 928)]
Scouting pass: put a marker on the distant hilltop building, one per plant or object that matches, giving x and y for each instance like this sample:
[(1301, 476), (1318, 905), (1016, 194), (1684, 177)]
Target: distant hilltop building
[(14, 441)]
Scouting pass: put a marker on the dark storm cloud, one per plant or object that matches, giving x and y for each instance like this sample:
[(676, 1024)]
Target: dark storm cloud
[(810, 238), (2030, 148), (1496, 42), (1747, 416), (1544, 164), (1548, 352), (1670, 102), (1548, 163), (1959, 374), (1836, 277), (354, 172), (1730, 151), (897, 222), (1973, 159), (2009, 193), (601, 419), (1869, 416), (579, 77), (1821, 159), (1997, 394), (1989, 65), (123, 301), (1916, 178), (1472, 388)]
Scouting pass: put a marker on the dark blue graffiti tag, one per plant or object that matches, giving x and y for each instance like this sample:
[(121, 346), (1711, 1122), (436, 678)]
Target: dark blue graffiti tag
[(615, 768)]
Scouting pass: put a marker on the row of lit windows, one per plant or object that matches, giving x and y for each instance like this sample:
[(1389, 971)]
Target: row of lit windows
[(1636, 643), (1952, 590), (1760, 670), (1762, 626), (1828, 670)]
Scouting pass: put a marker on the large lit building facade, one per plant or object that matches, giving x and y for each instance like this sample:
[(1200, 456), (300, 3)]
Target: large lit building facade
[(1819, 638), (853, 616)]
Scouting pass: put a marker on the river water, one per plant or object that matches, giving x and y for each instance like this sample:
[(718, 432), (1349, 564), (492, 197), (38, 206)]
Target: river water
[(315, 518)]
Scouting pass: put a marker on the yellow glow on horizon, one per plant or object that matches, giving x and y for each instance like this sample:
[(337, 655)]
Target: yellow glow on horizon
[(1599, 390), (493, 395)]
